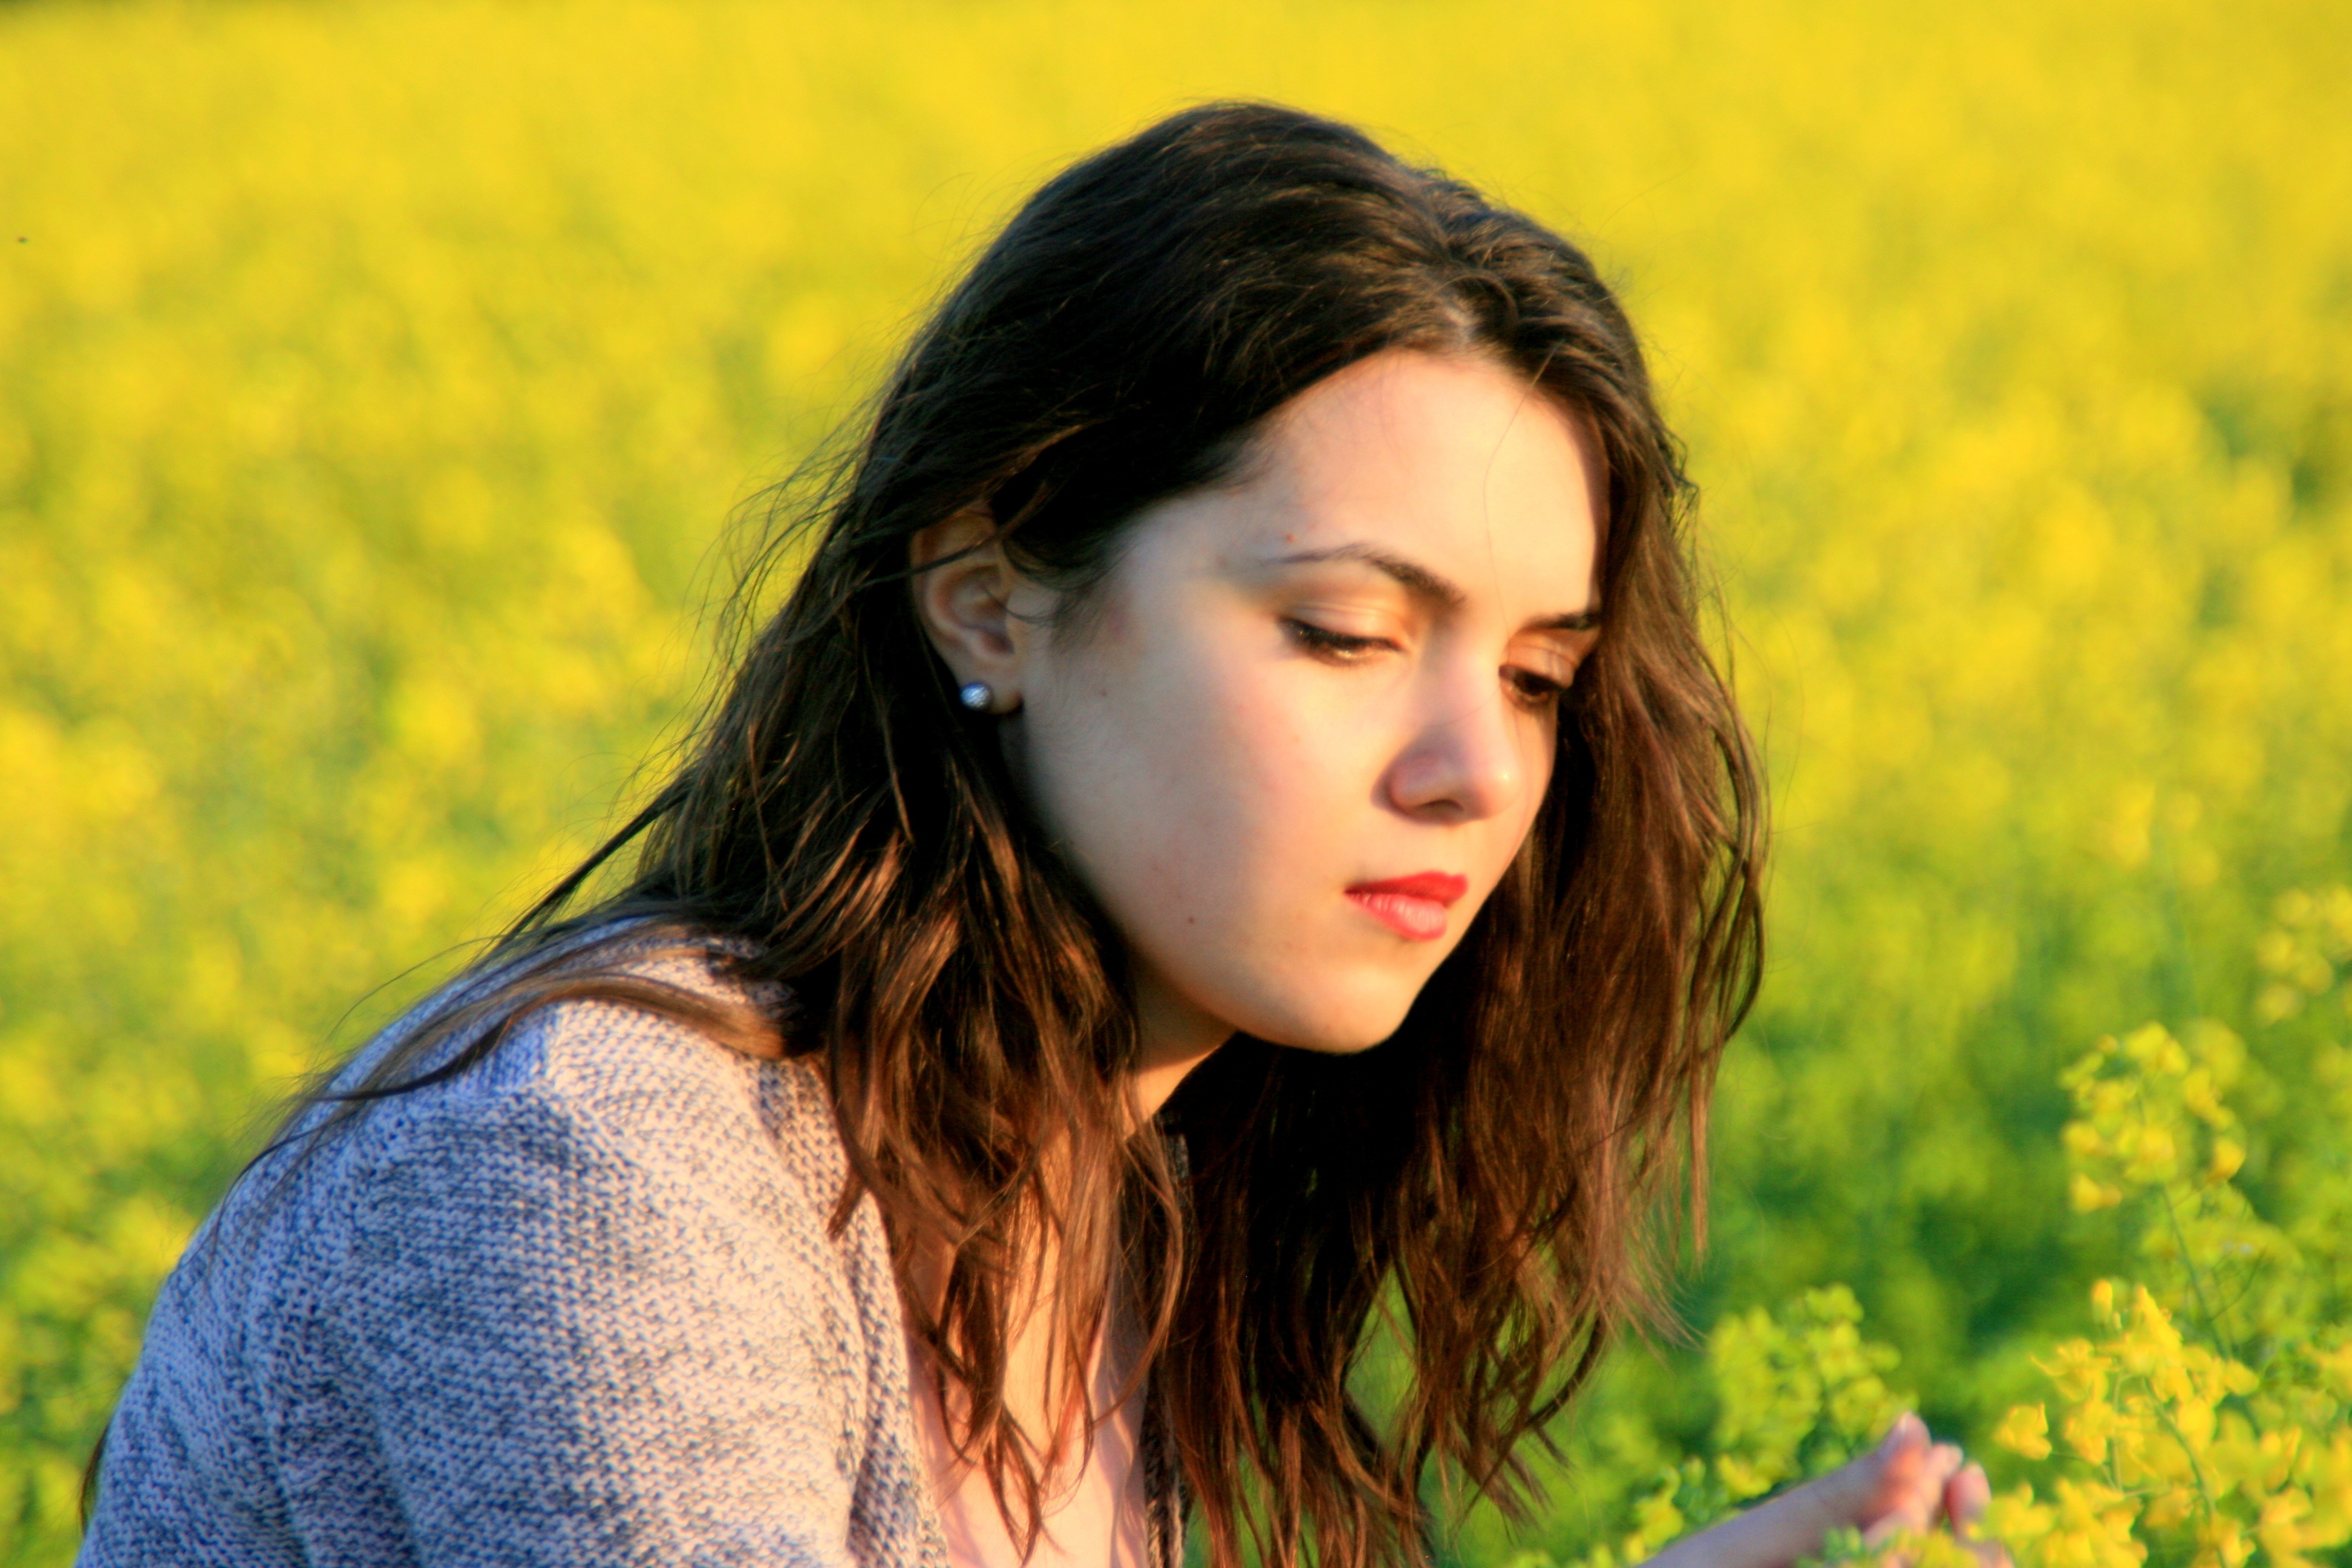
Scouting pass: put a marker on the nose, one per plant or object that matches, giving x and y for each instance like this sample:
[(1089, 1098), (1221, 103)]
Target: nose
[(1466, 759)]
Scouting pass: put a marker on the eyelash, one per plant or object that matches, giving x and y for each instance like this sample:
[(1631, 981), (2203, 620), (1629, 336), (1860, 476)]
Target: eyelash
[(1536, 690), (1340, 648)]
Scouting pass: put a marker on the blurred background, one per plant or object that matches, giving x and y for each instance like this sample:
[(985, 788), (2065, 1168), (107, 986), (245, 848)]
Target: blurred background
[(377, 380)]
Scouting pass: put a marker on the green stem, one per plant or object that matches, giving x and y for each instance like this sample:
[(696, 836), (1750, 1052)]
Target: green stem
[(2196, 1280), (2196, 1470)]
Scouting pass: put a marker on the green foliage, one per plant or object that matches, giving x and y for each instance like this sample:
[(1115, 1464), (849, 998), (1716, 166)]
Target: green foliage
[(2206, 1421), (375, 380), (1797, 1394)]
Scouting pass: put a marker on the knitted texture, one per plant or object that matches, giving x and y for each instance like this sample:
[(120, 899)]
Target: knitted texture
[(577, 1306)]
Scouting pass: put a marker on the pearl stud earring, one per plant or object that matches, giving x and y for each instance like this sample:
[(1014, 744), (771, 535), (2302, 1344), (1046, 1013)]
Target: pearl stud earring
[(978, 696)]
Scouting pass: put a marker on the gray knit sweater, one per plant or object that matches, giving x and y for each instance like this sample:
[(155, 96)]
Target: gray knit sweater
[(576, 1307)]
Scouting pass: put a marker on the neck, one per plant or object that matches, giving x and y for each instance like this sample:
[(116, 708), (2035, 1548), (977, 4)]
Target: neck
[(1177, 1037)]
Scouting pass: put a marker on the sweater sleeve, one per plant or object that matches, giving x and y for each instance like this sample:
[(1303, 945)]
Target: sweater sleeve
[(586, 1342)]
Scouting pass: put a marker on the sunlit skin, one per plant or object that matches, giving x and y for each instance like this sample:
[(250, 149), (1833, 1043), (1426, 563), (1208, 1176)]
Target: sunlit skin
[(1338, 669)]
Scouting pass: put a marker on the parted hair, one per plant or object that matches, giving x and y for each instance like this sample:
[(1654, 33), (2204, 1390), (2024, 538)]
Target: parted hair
[(1493, 1187)]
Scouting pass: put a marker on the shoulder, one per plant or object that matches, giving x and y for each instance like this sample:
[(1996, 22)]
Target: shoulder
[(597, 1132), (619, 1210), (607, 1242), (604, 1036), (589, 1284), (622, 1089)]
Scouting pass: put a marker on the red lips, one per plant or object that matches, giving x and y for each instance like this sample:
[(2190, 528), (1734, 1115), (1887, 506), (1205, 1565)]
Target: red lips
[(1438, 887), (1413, 907)]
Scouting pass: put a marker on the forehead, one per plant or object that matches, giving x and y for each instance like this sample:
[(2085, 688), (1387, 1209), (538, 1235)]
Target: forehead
[(1457, 463)]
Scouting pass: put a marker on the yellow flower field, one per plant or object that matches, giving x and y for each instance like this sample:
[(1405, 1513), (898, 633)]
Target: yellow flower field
[(377, 380)]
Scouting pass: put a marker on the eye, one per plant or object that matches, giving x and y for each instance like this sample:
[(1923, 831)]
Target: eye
[(1534, 690), (1340, 648)]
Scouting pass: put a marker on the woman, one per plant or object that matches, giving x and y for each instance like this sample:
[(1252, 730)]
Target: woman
[(1232, 839)]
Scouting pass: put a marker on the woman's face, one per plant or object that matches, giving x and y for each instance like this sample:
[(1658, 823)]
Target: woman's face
[(1299, 739)]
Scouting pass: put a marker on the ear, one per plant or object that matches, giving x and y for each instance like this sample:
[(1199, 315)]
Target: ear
[(965, 596)]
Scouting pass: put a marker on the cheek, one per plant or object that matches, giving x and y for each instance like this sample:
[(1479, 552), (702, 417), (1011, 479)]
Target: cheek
[(1204, 787), (1218, 798), (1215, 806), (1539, 758)]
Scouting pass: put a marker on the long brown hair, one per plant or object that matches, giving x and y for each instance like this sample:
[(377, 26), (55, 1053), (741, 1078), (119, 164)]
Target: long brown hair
[(1496, 1174)]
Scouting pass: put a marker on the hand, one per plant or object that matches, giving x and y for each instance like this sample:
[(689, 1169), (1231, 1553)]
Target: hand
[(1907, 1483)]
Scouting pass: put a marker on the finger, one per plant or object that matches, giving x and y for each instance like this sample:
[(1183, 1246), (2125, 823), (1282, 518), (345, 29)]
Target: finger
[(1860, 1490), (1906, 1433), (1899, 1454), (1944, 1462), (1909, 1513), (1920, 1483), (1965, 1495), (1911, 1489)]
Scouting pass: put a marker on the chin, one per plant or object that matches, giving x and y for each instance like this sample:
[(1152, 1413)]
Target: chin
[(1333, 1047), (1340, 1031)]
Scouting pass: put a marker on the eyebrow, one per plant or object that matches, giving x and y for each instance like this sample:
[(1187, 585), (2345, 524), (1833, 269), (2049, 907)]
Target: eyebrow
[(1422, 584)]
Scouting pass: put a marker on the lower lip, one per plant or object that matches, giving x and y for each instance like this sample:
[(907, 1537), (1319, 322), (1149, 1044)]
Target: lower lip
[(1415, 920)]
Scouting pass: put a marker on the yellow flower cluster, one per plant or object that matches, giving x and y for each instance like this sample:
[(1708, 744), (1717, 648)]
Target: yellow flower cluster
[(2206, 1421), (2155, 1123), (2173, 1439), (2301, 956), (2208, 1414)]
